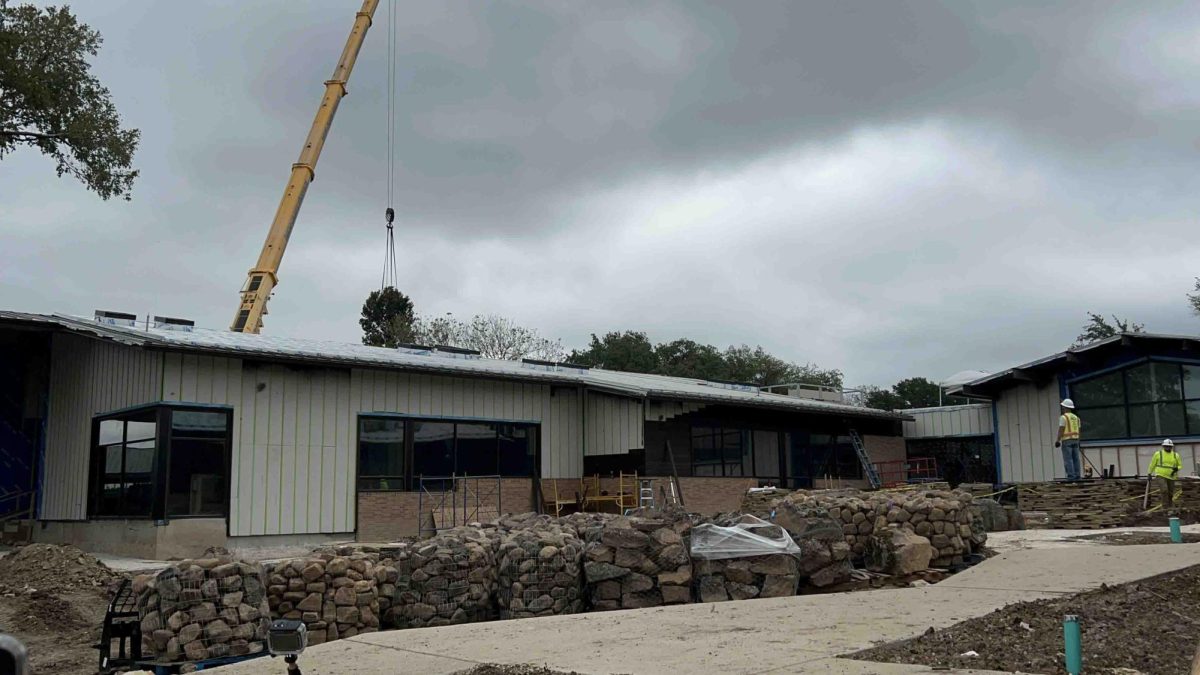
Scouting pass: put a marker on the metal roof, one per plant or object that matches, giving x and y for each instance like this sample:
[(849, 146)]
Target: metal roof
[(1000, 378), (270, 347)]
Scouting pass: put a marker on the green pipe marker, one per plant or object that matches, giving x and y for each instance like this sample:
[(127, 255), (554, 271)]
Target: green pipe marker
[(1176, 533), (1073, 643)]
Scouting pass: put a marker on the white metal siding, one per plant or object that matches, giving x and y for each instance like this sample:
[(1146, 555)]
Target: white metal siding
[(615, 425), (1027, 417), (950, 421), (87, 377), (1130, 460), (556, 408)]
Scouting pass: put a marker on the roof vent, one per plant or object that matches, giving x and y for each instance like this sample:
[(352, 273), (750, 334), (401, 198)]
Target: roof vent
[(170, 323), (116, 318)]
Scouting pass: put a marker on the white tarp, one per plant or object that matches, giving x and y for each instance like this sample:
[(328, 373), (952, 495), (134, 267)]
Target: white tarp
[(750, 536)]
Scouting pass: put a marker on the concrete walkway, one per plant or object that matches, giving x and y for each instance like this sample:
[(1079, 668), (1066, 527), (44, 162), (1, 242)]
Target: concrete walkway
[(780, 635)]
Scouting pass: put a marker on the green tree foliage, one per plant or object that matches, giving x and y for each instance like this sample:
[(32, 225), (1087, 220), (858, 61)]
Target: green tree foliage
[(629, 351), (688, 358), (387, 318), (913, 392), (1098, 328), (49, 99), (1194, 298), (632, 351)]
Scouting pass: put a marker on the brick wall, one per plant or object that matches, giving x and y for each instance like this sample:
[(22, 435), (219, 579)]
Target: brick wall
[(388, 516), (887, 449)]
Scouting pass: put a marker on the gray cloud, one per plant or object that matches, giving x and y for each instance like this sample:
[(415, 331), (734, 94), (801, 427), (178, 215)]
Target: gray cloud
[(895, 189)]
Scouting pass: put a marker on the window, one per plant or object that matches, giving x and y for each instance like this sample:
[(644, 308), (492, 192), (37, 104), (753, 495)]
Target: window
[(380, 453), (160, 461), (814, 456), (395, 452), (1148, 400), (719, 451)]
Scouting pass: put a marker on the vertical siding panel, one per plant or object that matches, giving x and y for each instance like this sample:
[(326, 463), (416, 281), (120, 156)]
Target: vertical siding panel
[(344, 509), (187, 380), (276, 390), (460, 397), (329, 451), (247, 474), (300, 450), (293, 381), (479, 395), (314, 440), (261, 449), (424, 395), (379, 391)]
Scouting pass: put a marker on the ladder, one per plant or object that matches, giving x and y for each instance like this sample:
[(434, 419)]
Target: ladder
[(869, 472), (646, 493)]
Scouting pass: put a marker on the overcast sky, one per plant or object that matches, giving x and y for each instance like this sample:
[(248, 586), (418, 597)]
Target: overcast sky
[(889, 188)]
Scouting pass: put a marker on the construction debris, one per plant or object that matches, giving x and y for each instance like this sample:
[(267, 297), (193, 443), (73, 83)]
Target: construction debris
[(52, 568), (743, 559), (1100, 503), (201, 609)]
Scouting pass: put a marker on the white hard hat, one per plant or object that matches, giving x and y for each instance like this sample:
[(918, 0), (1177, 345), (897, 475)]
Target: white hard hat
[(1068, 403), (1168, 443)]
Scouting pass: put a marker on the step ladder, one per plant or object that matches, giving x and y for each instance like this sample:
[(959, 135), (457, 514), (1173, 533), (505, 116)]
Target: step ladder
[(646, 493), (869, 471)]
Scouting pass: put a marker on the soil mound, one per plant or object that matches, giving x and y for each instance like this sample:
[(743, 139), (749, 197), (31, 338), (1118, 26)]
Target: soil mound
[(48, 567)]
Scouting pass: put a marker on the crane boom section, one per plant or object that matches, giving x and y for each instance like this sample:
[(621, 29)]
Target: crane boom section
[(261, 280)]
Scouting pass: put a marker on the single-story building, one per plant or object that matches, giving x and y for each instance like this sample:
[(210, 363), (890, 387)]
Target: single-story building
[(158, 438), (1130, 391)]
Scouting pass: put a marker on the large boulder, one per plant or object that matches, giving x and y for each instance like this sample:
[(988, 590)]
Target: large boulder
[(993, 515), (898, 552)]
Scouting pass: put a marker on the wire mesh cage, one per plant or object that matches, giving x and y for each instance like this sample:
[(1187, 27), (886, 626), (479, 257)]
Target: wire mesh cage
[(203, 609), (539, 573)]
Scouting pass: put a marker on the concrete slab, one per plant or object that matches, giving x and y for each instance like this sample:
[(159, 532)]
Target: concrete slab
[(780, 635), (1015, 540)]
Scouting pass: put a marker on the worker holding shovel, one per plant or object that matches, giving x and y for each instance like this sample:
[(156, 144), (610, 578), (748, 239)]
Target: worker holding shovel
[(1165, 466), (1068, 438)]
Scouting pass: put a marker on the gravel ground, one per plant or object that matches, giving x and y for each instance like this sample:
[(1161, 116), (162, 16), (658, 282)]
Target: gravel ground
[(495, 669), (1150, 626), (1138, 538)]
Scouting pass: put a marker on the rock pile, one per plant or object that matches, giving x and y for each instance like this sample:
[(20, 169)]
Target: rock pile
[(452, 580), (898, 552), (50, 567), (336, 596), (638, 562), (942, 517), (539, 572), (824, 557), (743, 558), (202, 609), (588, 525)]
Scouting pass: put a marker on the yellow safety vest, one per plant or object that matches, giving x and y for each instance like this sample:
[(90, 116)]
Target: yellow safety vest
[(1071, 428), (1166, 464)]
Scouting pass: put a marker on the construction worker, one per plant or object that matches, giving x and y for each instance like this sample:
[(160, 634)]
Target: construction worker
[(1165, 466), (1068, 438)]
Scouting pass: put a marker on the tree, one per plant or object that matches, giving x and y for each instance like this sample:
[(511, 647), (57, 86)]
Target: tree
[(1098, 328), (1194, 298), (629, 351), (879, 398), (688, 358), (918, 392), (49, 99), (756, 366), (493, 336), (387, 318)]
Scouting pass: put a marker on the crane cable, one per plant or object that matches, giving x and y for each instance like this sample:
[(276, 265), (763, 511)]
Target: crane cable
[(390, 276)]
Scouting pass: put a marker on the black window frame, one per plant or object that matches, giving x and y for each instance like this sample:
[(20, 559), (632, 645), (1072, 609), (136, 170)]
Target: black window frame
[(161, 412), (739, 455), (1127, 406), (411, 479)]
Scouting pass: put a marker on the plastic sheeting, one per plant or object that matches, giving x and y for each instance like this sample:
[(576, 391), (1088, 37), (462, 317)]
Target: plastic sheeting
[(749, 537)]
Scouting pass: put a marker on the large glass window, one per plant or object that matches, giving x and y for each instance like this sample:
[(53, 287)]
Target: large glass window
[(440, 448), (160, 461), (1148, 400), (815, 456), (196, 480), (381, 453), (718, 451)]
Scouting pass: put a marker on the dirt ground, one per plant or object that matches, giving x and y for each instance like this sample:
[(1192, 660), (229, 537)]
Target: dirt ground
[(494, 669), (1138, 538), (53, 599), (1150, 626)]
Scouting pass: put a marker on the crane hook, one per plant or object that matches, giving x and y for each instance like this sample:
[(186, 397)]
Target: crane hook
[(390, 214)]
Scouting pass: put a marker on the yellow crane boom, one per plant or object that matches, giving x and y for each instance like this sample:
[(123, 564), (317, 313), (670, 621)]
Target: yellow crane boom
[(261, 280)]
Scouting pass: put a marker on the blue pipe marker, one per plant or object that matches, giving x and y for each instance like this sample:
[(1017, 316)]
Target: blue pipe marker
[(1073, 643), (1176, 534)]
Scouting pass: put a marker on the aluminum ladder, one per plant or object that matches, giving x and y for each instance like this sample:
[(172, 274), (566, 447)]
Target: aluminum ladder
[(861, 450), (646, 493)]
